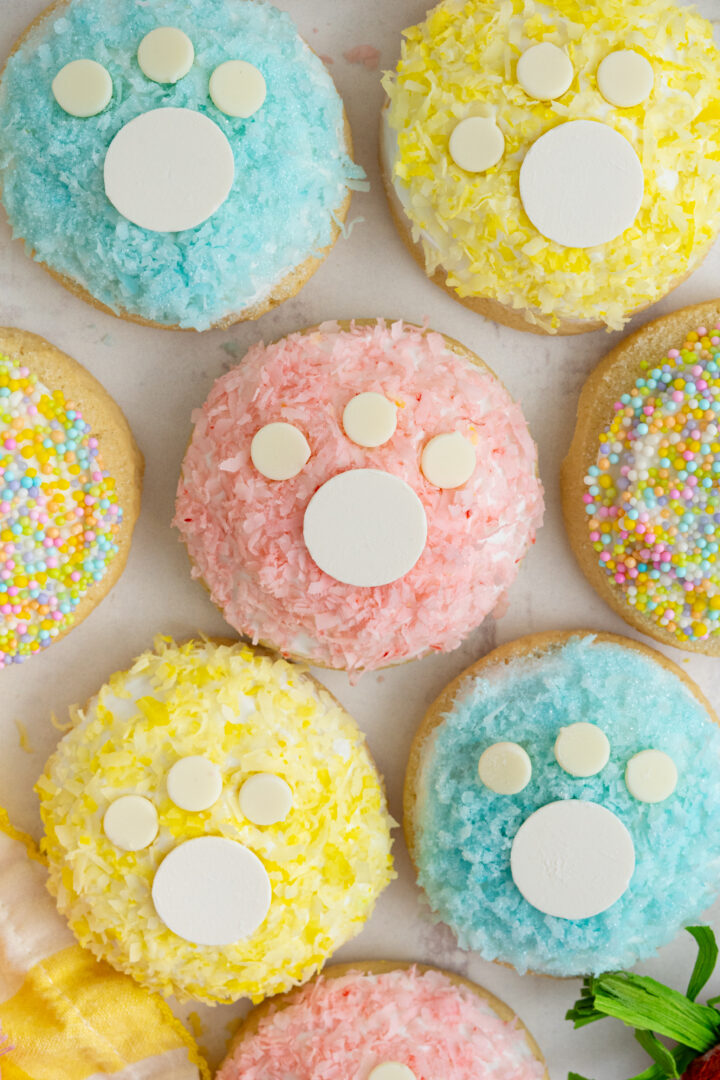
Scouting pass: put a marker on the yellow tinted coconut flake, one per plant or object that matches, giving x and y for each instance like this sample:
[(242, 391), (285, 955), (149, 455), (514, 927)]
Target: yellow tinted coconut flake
[(462, 61), (247, 713)]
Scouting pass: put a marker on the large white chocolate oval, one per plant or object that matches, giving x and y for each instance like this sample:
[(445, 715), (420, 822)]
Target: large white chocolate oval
[(572, 859), (365, 527), (581, 184), (211, 891), (169, 169)]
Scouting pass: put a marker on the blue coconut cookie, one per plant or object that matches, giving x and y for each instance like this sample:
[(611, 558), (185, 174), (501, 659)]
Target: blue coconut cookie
[(182, 162), (561, 804)]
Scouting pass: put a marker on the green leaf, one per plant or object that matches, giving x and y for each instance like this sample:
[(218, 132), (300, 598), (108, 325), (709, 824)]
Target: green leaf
[(576, 1076), (713, 1000), (706, 959), (682, 1057), (660, 1054), (642, 1002)]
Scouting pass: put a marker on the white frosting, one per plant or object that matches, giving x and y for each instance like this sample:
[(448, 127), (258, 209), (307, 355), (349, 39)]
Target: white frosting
[(265, 799), (131, 822), (505, 768), (82, 88), (279, 451), (169, 169), (237, 88), (365, 527), (572, 859), (166, 54), (581, 184), (448, 460), (211, 891), (544, 71), (651, 776), (625, 78), (369, 419), (194, 783), (476, 144), (392, 1070), (582, 749)]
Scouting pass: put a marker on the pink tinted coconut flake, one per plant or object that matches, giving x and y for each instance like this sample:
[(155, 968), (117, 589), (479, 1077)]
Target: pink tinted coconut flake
[(244, 532)]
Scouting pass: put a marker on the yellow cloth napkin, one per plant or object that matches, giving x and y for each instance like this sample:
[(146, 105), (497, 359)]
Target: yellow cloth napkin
[(63, 1015)]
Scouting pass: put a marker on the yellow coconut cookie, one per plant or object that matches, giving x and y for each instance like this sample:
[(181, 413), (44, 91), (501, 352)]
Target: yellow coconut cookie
[(70, 481), (555, 166), (214, 824), (641, 481)]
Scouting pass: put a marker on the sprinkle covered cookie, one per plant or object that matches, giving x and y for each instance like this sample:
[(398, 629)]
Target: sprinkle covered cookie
[(558, 803), (641, 481), (70, 479), (554, 166), (103, 101), (359, 494), (384, 1021), (214, 824)]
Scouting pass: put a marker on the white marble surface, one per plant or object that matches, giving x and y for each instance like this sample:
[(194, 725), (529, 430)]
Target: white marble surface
[(158, 377)]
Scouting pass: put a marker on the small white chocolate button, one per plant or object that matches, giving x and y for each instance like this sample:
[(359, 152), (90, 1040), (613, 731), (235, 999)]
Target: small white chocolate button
[(369, 419), (505, 768), (211, 891), (82, 88), (131, 822), (169, 169), (448, 461), (279, 451), (194, 783), (365, 527), (625, 78), (572, 859), (476, 144), (392, 1070), (544, 71), (237, 88), (651, 776), (265, 799), (581, 184), (166, 54), (582, 749)]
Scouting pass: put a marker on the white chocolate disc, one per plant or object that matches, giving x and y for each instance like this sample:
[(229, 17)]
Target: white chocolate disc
[(169, 170), (166, 54), (448, 461), (582, 749), (131, 822), (279, 451), (651, 776), (237, 88), (211, 891), (581, 184), (369, 419), (82, 88), (265, 799), (365, 527), (476, 144), (194, 783), (392, 1070), (625, 78), (572, 859), (544, 71), (505, 768)]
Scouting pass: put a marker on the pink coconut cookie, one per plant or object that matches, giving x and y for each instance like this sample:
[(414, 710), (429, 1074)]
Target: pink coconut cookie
[(359, 495), (380, 1021)]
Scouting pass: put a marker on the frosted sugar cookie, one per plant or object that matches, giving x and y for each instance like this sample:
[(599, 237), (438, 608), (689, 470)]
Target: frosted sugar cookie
[(553, 167), (557, 802), (70, 480), (641, 481), (359, 494), (214, 824), (102, 101), (386, 1021)]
